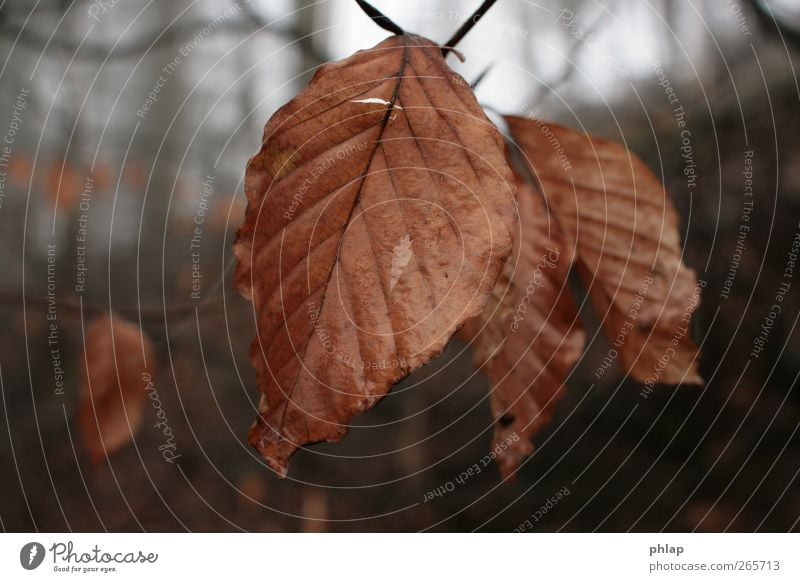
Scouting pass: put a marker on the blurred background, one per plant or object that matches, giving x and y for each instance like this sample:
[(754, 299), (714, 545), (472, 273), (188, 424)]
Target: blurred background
[(123, 123)]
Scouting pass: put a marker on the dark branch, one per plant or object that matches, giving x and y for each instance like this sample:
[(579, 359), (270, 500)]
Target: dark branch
[(467, 26), (481, 76), (379, 17)]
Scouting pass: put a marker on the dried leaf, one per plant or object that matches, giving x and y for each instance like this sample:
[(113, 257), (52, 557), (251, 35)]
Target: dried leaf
[(628, 248), (529, 336), (387, 146), (118, 360)]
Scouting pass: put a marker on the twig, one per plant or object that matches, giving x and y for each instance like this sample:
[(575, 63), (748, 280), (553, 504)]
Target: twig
[(379, 17), (467, 26), (481, 76)]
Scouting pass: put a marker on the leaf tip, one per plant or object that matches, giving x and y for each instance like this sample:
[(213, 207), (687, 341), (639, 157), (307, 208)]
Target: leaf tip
[(262, 437)]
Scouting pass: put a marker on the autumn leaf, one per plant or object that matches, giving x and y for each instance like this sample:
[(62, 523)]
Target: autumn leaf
[(628, 250), (118, 360), (607, 214), (380, 211), (529, 336)]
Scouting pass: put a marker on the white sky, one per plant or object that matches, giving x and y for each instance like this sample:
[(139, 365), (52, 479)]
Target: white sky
[(528, 46)]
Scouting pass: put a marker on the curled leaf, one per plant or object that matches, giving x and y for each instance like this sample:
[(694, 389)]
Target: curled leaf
[(380, 210), (529, 336), (625, 230), (118, 359)]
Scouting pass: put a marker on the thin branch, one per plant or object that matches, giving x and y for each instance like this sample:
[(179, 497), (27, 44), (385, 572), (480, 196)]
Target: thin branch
[(467, 26), (481, 76), (572, 55), (379, 17)]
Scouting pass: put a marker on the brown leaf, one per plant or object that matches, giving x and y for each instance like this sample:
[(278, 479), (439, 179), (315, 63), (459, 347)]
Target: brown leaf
[(529, 336), (380, 210), (628, 247), (118, 360)]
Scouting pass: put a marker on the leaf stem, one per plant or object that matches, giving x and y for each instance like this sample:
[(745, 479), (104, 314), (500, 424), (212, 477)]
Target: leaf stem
[(467, 26), (379, 17)]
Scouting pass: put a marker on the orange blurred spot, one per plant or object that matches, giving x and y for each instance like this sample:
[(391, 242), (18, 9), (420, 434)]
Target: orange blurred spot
[(219, 220), (63, 184), (20, 168), (252, 488), (135, 175), (103, 176)]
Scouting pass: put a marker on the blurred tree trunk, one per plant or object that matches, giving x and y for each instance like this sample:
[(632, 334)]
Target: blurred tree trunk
[(668, 10), (306, 16), (164, 120)]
